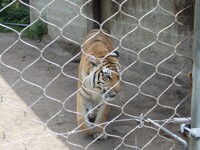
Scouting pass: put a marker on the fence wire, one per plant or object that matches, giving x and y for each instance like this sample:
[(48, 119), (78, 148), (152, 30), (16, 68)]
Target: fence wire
[(39, 78), (16, 14)]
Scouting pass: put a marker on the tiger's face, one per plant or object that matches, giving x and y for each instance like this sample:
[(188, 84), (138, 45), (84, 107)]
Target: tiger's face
[(105, 76), (112, 83)]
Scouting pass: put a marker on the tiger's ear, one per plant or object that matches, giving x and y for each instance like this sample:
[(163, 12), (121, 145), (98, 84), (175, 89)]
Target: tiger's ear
[(115, 54), (93, 61)]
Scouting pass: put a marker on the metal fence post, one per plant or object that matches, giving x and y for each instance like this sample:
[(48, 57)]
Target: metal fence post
[(195, 106)]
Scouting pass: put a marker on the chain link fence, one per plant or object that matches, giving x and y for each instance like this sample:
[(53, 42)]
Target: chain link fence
[(14, 13), (38, 82)]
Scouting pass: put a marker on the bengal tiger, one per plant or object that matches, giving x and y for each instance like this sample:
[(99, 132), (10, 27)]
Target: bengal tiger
[(99, 82)]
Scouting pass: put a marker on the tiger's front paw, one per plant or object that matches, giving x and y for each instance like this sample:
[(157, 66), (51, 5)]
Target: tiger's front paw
[(100, 135)]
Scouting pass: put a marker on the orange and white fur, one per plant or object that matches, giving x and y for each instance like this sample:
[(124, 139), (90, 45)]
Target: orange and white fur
[(99, 82)]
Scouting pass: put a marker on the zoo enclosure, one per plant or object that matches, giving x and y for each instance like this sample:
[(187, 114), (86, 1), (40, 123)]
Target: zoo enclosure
[(134, 33)]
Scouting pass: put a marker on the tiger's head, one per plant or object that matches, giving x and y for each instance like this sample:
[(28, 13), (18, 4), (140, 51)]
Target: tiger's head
[(104, 75)]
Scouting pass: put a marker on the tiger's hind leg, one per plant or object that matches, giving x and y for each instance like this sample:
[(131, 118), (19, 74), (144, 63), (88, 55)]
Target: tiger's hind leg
[(102, 115)]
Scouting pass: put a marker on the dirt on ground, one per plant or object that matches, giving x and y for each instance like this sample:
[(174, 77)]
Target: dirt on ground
[(38, 86)]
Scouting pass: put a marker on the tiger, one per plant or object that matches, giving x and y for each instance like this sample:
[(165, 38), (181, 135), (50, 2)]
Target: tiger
[(98, 83)]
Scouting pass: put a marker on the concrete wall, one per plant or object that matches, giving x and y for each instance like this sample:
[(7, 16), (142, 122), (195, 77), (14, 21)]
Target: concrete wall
[(61, 12), (134, 43)]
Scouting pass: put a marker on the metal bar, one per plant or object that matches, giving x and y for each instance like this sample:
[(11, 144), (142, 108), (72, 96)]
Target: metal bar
[(195, 132), (181, 120), (186, 120), (195, 110), (176, 137), (16, 24)]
